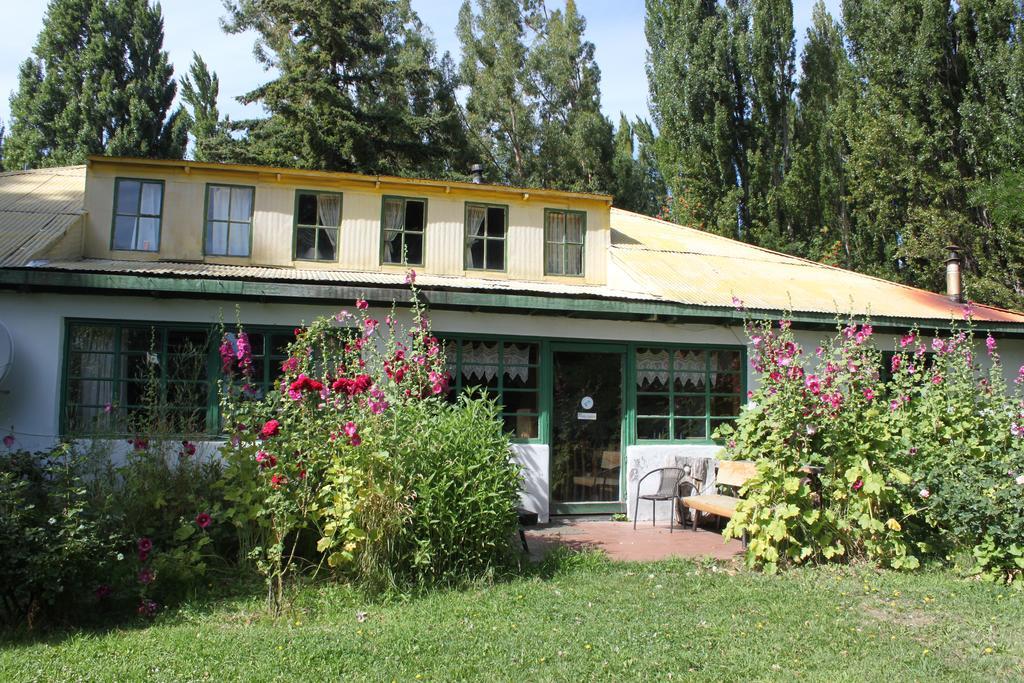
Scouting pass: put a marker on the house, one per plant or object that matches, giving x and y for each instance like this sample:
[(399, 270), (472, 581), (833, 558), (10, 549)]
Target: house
[(612, 339)]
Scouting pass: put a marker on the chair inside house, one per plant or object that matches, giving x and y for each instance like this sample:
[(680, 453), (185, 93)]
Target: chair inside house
[(668, 479)]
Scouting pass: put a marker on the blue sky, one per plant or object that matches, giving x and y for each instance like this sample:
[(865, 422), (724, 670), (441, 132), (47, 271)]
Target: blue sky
[(616, 27)]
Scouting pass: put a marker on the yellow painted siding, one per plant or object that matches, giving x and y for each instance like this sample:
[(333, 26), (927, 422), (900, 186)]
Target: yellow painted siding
[(360, 235)]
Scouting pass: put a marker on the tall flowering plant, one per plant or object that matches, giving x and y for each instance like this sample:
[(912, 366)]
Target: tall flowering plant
[(308, 462), (890, 459)]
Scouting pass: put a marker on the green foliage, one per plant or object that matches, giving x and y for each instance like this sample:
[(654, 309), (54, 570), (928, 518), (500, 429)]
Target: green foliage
[(57, 548), (923, 465), (199, 90), (357, 462), (98, 82), (359, 87), (639, 186)]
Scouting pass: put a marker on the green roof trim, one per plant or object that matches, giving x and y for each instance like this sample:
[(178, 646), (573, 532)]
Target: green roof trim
[(43, 280)]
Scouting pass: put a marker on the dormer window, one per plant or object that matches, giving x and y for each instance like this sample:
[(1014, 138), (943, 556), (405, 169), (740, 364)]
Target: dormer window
[(317, 219), (402, 223), (138, 207), (564, 232), (486, 226), (228, 220)]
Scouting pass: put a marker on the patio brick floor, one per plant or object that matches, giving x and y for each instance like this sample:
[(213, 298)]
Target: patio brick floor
[(620, 542)]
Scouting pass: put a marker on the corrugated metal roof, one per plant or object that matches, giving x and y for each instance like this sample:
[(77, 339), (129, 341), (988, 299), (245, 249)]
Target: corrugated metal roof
[(339, 277), (697, 268), (36, 208)]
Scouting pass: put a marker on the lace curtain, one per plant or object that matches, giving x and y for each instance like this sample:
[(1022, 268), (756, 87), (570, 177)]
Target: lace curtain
[(480, 361), (476, 217), (392, 228), (653, 365), (328, 213)]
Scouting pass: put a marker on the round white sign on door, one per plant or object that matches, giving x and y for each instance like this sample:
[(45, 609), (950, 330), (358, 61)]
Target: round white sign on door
[(587, 403)]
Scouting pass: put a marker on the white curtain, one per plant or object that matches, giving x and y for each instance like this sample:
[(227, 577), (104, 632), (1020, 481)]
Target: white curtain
[(480, 362), (97, 361), (652, 366), (220, 203), (328, 212), (475, 228), (555, 238), (392, 226)]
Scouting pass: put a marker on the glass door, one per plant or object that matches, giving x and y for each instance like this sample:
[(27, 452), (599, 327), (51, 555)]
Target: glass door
[(586, 429)]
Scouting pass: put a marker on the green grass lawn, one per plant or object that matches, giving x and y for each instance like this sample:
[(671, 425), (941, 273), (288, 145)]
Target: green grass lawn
[(577, 618)]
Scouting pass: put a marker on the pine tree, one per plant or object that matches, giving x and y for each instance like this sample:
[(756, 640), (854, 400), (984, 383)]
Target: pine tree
[(199, 90), (359, 88), (500, 114), (99, 81)]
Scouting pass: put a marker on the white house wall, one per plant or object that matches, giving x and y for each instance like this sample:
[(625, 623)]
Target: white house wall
[(29, 397)]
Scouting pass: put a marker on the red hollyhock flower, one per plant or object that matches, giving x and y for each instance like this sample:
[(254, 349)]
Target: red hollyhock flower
[(270, 428), (188, 448), (304, 383), (145, 545), (203, 519), (361, 304), (858, 485), (278, 480)]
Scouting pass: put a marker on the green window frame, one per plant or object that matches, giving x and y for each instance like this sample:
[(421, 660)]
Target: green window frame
[(316, 240), (683, 393), (508, 369), (485, 236), (134, 215), (114, 370), (564, 243), (233, 219), (401, 241)]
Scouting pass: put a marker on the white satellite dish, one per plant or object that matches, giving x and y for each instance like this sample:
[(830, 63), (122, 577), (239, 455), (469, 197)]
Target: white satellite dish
[(6, 352)]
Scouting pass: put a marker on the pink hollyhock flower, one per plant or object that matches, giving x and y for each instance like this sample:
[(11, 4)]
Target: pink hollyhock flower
[(343, 316), (410, 277), (924, 493), (351, 429), (265, 460), (936, 379), (1019, 480), (227, 356), (371, 326), (968, 311), (355, 440), (146, 576), (290, 365), (1016, 430), (819, 352), (244, 351), (813, 384), (144, 545), (737, 303), (203, 520), (270, 428), (869, 395), (938, 345), (990, 344), (756, 340), (858, 485), (784, 324), (378, 407), (9, 440), (108, 408), (895, 364), (188, 448), (361, 304), (906, 340)]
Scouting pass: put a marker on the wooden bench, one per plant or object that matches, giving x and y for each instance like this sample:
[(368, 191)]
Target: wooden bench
[(730, 473)]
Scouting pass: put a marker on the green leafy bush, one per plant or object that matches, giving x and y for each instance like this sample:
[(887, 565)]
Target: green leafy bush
[(924, 464), (355, 460)]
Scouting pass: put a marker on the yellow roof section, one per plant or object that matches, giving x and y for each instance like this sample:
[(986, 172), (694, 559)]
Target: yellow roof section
[(36, 208), (698, 268)]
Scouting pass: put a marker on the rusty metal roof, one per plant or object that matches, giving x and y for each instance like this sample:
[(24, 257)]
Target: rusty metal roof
[(701, 269), (37, 208)]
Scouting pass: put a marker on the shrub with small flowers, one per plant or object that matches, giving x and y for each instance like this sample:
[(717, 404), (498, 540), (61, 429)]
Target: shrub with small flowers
[(345, 461), (895, 471)]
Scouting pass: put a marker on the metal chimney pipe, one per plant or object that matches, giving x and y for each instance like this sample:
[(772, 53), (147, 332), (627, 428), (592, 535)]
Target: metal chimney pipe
[(477, 171), (954, 282)]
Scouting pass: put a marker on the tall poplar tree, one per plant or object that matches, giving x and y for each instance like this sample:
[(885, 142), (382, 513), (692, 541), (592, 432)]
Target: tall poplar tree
[(99, 81), (199, 90), (638, 185), (359, 87)]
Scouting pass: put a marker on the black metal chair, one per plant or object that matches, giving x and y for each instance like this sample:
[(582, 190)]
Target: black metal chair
[(668, 489)]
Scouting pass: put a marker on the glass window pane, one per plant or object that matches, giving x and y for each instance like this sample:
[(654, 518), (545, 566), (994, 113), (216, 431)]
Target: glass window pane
[(522, 426), (495, 222), (219, 203), (304, 238), (241, 204), (99, 365), (414, 214), (651, 405), (414, 248), (124, 232), (239, 240), (475, 252), (91, 338), (496, 254), (553, 259), (690, 405), (393, 247), (689, 360), (139, 339), (574, 259), (307, 209), (726, 382), (187, 341), (715, 424), (690, 382), (89, 392), (148, 238), (691, 429), (152, 198), (328, 238), (520, 401), (520, 377), (518, 353), (128, 197), (725, 360), (647, 428), (217, 238), (725, 406), (574, 228), (556, 227)]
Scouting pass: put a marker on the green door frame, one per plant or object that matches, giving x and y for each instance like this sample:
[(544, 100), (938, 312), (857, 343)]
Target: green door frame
[(621, 349)]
